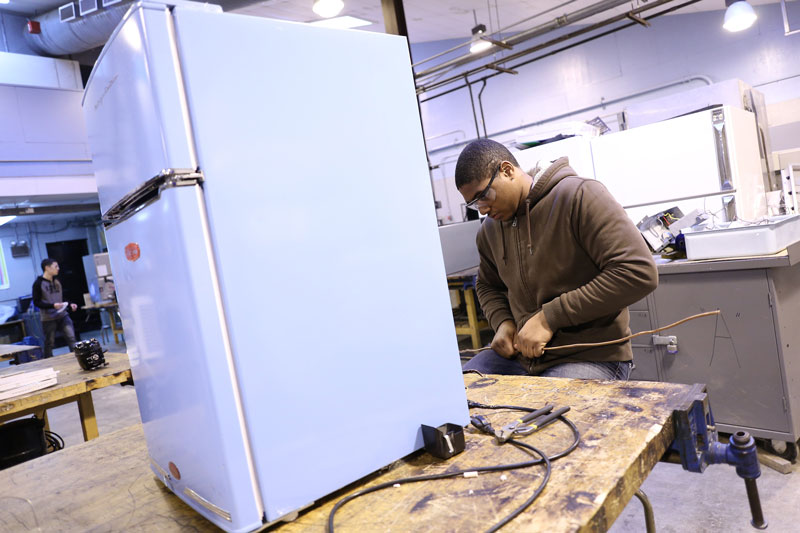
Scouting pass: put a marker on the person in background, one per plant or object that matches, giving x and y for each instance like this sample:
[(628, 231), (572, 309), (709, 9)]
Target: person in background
[(48, 297), (560, 261)]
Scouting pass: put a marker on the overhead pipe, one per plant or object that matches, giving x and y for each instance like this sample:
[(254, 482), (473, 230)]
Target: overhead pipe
[(58, 38), (547, 44), (537, 31), (498, 33)]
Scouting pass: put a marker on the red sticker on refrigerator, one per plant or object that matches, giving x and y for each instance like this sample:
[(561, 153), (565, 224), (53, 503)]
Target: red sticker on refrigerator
[(132, 251)]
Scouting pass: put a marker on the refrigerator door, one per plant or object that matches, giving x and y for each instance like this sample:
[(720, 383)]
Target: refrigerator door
[(325, 234), (166, 291), (134, 106), (165, 279)]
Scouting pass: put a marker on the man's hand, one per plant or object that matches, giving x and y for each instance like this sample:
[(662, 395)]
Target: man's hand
[(533, 336), (504, 339), (60, 305), (73, 307)]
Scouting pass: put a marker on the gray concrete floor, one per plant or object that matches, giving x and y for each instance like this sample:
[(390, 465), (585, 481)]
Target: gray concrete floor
[(713, 501)]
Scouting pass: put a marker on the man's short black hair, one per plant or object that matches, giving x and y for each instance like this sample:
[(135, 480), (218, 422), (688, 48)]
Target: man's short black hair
[(478, 159), (46, 262)]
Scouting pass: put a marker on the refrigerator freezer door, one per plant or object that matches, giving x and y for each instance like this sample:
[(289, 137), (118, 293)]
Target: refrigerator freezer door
[(325, 234), (133, 104), (177, 351)]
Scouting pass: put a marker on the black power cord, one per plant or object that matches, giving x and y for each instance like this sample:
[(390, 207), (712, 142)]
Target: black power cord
[(486, 428), (53, 441)]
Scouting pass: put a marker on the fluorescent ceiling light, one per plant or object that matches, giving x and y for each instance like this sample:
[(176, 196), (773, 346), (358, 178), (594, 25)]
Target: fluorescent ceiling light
[(327, 8), (739, 16), (344, 22), (3, 220), (4, 1)]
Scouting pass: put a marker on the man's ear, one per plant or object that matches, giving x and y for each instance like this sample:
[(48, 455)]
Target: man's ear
[(507, 169)]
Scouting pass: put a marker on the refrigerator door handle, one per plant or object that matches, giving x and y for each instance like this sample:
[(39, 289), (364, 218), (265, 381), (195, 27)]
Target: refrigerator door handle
[(149, 192)]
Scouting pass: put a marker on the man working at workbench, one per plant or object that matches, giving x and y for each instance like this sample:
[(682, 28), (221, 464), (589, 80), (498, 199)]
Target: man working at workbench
[(560, 261)]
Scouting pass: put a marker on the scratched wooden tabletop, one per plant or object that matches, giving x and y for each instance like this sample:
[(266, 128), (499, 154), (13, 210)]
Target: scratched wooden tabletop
[(72, 380), (106, 485)]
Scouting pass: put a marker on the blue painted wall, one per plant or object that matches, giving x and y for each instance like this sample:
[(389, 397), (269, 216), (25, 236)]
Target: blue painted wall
[(22, 271)]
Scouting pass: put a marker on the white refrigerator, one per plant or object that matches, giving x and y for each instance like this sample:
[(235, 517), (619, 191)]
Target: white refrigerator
[(272, 233), (709, 161)]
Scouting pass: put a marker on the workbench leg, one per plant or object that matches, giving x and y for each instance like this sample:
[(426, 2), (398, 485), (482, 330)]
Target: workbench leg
[(649, 517), (472, 318), (88, 420), (42, 415)]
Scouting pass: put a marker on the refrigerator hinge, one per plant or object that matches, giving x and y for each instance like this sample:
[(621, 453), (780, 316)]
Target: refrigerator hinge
[(723, 162), (149, 192)]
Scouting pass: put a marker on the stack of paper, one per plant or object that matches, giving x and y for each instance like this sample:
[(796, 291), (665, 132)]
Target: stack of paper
[(19, 383)]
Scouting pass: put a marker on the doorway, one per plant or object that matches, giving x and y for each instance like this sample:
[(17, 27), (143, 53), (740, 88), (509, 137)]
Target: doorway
[(69, 255)]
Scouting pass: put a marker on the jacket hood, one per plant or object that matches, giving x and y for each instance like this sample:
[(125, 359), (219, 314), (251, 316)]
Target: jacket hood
[(557, 171)]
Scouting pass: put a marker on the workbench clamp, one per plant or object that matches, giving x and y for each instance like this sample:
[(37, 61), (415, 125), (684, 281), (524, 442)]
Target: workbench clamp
[(697, 443)]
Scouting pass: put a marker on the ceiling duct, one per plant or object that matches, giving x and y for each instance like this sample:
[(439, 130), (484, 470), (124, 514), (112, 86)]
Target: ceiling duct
[(64, 32), (59, 38)]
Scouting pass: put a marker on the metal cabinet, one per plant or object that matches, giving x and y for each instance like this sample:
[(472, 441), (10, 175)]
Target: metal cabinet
[(646, 365), (749, 355)]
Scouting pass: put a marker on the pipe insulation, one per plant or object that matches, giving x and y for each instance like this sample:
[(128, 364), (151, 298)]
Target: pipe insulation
[(84, 33)]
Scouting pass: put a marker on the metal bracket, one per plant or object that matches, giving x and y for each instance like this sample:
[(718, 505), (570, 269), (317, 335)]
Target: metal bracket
[(662, 340), (670, 341)]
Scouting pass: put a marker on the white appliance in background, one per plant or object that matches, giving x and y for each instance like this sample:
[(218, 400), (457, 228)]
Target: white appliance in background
[(708, 160), (733, 93), (250, 276), (790, 179), (578, 149), (459, 248)]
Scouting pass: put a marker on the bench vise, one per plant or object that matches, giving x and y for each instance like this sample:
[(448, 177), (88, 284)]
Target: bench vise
[(696, 441)]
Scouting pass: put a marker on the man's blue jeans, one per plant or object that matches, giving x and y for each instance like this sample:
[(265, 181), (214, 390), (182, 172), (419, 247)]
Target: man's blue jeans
[(488, 362)]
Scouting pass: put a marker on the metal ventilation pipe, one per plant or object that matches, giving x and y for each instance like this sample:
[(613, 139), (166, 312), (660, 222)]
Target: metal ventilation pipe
[(85, 33), (92, 31)]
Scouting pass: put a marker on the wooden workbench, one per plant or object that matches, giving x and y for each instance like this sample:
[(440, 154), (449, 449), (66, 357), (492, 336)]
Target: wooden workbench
[(111, 308), (74, 385), (463, 283), (106, 484), (9, 352)]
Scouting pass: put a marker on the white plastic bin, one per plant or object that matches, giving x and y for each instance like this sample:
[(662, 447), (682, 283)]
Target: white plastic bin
[(761, 239)]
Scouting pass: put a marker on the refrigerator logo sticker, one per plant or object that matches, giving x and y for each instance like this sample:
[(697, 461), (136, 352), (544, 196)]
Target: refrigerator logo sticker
[(132, 251), (105, 91)]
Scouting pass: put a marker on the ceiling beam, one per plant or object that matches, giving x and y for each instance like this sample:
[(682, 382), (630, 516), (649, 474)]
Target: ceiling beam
[(394, 17)]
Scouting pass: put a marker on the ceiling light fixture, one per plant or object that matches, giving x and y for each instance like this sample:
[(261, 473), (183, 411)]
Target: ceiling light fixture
[(478, 43), (327, 8), (739, 16), (3, 220), (5, 1), (344, 22)]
